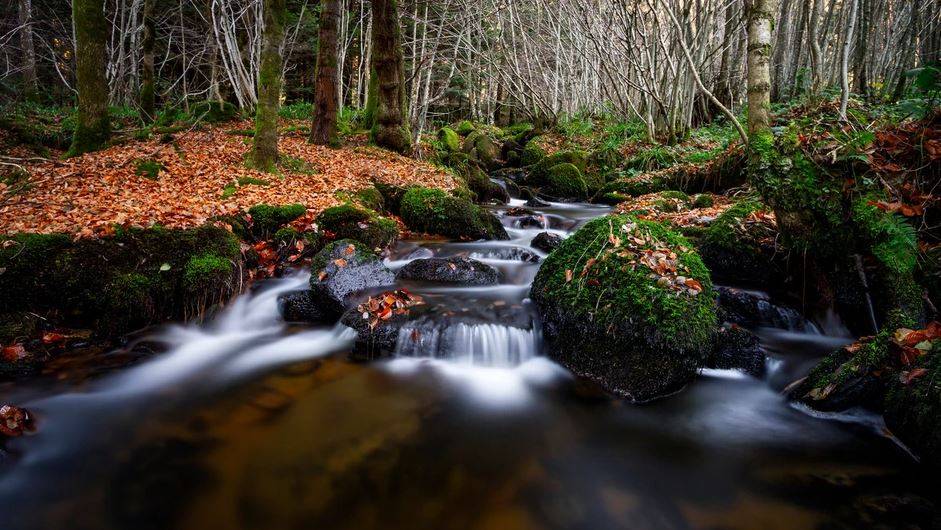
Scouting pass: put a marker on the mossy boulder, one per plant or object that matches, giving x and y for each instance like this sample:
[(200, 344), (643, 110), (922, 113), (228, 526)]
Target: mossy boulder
[(266, 219), (627, 303), (565, 181), (929, 275), (531, 154), (539, 172), (118, 283), (740, 244), (484, 189), (348, 221), (341, 271), (214, 111), (434, 211), (449, 139), (480, 147), (465, 127), (913, 406)]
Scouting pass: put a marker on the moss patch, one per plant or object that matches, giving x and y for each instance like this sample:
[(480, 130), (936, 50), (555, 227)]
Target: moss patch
[(434, 211), (267, 219), (349, 221)]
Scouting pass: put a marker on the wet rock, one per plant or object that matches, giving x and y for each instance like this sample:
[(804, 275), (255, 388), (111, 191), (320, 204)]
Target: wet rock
[(507, 254), (450, 270), (642, 331), (737, 349), (751, 309), (302, 306), (373, 342), (846, 378), (14, 421), (531, 221), (518, 211), (343, 269), (436, 212), (547, 241)]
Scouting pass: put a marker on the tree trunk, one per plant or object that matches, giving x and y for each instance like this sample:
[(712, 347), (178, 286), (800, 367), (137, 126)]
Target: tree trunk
[(386, 101), (760, 21), (93, 126), (30, 87), (783, 32), (816, 53), (265, 151), (148, 98), (323, 130), (844, 65), (861, 70)]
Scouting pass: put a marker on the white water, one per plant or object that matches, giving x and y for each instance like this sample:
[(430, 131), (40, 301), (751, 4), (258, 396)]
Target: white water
[(493, 345)]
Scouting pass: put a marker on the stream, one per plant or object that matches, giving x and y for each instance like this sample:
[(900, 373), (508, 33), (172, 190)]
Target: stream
[(246, 422)]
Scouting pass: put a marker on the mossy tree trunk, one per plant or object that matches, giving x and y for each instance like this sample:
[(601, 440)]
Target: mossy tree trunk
[(387, 99), (148, 103), (323, 130), (93, 127), (760, 23), (265, 150), (30, 86)]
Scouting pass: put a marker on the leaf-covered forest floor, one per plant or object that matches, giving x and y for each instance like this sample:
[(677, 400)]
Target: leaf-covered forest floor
[(195, 176)]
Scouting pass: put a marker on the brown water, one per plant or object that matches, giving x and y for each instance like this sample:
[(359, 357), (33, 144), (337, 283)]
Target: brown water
[(248, 423)]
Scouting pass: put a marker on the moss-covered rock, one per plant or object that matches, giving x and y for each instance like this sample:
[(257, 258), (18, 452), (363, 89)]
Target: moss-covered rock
[(565, 181), (929, 275), (531, 154), (539, 172), (634, 186), (484, 189), (913, 406), (266, 219), (740, 245), (214, 111), (465, 127), (449, 139), (434, 211), (115, 284), (348, 221), (641, 331), (482, 149), (703, 200)]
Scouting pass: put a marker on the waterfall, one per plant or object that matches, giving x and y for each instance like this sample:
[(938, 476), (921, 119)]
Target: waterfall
[(477, 344)]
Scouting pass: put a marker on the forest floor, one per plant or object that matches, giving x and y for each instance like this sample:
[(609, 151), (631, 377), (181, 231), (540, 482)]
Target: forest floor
[(195, 176)]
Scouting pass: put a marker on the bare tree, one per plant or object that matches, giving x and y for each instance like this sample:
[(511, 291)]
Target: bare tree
[(148, 103), (387, 98), (844, 65), (760, 23), (30, 84)]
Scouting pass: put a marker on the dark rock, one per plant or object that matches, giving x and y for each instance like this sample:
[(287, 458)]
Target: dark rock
[(345, 268), (373, 342), (518, 211), (301, 306), (450, 270), (531, 221), (751, 310), (547, 241), (737, 349)]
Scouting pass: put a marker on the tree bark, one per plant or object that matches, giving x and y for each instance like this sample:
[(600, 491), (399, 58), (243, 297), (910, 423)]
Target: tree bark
[(385, 105), (760, 21), (844, 65), (265, 150), (861, 68), (148, 97), (93, 126), (30, 86), (323, 130)]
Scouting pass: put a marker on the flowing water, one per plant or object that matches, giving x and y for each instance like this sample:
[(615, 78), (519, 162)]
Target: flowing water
[(247, 422)]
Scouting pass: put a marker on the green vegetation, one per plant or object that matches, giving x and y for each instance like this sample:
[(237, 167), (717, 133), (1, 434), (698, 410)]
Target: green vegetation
[(213, 112), (434, 211), (149, 169), (267, 219), (352, 222), (449, 139)]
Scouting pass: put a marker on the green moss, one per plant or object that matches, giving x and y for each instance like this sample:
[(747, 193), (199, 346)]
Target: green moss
[(361, 254), (635, 186), (213, 111), (149, 169), (252, 181), (205, 271), (913, 411), (465, 127), (703, 200), (449, 139), (565, 180), (728, 231), (351, 222), (540, 171), (228, 191), (434, 211), (532, 154), (612, 317), (266, 219)]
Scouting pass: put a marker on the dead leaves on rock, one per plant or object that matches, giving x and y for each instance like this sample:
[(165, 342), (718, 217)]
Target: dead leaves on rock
[(386, 305), (14, 421)]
